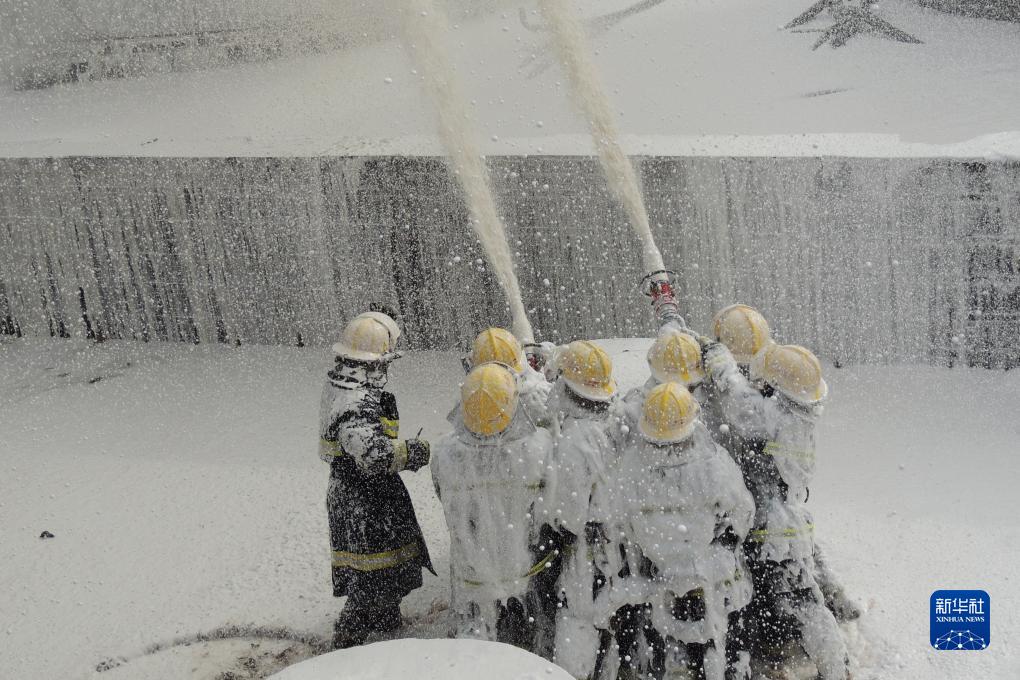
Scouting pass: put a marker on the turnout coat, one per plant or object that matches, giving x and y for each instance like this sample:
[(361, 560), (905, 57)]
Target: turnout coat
[(376, 541), (772, 438), (489, 488), (774, 441)]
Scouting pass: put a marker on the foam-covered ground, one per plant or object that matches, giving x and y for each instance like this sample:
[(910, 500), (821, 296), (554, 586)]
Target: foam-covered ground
[(182, 487), (687, 77), (427, 660)]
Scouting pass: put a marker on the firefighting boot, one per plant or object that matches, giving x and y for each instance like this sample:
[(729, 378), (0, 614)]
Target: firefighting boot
[(386, 618), (351, 627)]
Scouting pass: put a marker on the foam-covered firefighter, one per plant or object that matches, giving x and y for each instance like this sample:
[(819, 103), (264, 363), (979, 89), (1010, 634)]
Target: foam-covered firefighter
[(378, 547), (788, 604), (581, 406), (680, 512), (489, 475)]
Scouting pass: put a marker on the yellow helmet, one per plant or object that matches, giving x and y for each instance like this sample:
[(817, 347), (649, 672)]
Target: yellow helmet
[(743, 330), (364, 339), (385, 320), (499, 345), (676, 356), (488, 399), (793, 371), (587, 370), (669, 414)]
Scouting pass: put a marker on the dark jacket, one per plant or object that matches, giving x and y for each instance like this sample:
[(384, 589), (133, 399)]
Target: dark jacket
[(375, 537)]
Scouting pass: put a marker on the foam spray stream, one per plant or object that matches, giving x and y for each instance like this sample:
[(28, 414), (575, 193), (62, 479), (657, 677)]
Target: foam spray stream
[(589, 95), (427, 31)]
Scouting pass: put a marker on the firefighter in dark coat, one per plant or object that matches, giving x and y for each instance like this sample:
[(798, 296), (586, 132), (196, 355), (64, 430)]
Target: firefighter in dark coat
[(378, 547)]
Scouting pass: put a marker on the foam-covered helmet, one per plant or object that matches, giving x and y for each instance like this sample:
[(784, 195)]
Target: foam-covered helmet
[(743, 330), (676, 356), (791, 370), (499, 345), (488, 399), (587, 370), (669, 414), (385, 320), (365, 340)]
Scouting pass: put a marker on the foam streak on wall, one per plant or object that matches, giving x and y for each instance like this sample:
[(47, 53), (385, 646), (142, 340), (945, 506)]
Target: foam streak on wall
[(863, 260)]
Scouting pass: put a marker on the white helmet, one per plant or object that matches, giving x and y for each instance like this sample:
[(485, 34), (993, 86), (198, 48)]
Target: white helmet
[(385, 320), (365, 339)]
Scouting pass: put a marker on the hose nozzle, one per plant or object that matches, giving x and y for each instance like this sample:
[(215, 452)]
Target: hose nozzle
[(652, 283), (660, 286), (535, 354)]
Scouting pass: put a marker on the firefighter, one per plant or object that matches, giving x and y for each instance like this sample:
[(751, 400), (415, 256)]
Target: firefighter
[(489, 476), (788, 605), (581, 406), (378, 546), (680, 512)]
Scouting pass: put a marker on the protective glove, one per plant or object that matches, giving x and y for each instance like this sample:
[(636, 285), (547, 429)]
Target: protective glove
[(419, 452), (719, 363)]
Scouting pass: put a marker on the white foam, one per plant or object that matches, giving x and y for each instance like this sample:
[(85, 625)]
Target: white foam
[(428, 31), (590, 97)]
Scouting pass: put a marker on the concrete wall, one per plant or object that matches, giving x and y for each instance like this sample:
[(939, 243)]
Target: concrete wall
[(864, 260)]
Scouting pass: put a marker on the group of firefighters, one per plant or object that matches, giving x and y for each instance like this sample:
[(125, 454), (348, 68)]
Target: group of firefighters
[(617, 535)]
